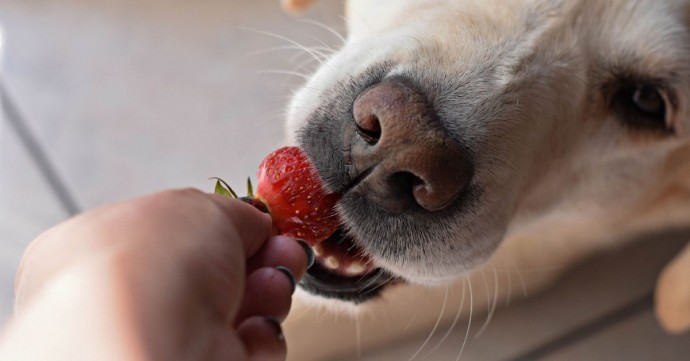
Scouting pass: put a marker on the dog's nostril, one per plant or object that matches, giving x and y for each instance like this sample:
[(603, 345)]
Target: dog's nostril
[(406, 182), (414, 163), (394, 192), (369, 128)]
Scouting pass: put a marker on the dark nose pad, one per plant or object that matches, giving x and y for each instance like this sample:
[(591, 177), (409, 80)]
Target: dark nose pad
[(408, 158)]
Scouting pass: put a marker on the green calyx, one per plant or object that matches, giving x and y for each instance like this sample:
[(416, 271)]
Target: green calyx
[(224, 189)]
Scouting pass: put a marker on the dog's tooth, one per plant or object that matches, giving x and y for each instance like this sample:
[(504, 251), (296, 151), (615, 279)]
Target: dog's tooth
[(318, 250), (331, 262), (355, 268)]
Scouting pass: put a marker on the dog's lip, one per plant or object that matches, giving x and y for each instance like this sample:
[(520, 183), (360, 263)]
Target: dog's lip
[(321, 281), (353, 176), (356, 180), (332, 276)]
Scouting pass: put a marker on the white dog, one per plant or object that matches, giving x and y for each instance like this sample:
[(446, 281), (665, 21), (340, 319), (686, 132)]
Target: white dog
[(472, 132)]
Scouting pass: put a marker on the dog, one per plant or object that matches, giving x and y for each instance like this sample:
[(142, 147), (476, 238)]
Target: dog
[(466, 134)]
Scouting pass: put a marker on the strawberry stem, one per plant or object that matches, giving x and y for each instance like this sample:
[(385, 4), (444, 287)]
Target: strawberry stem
[(250, 187), (223, 188)]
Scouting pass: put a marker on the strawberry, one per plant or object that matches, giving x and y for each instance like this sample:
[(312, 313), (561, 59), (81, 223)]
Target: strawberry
[(292, 192)]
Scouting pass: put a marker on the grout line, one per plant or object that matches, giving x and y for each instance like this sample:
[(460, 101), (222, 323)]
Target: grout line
[(37, 152), (580, 333)]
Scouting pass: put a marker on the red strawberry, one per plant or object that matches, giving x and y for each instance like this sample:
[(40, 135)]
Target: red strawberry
[(290, 188)]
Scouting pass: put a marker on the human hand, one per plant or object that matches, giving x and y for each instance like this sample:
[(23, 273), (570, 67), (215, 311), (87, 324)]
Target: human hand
[(179, 275)]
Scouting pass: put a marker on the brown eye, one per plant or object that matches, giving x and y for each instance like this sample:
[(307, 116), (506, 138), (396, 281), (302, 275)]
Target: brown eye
[(650, 101), (643, 106)]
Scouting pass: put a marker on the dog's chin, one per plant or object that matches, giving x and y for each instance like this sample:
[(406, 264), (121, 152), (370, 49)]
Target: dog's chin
[(342, 271)]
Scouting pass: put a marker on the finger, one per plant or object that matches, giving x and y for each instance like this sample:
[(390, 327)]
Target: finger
[(268, 292), (263, 339), (253, 226), (296, 256)]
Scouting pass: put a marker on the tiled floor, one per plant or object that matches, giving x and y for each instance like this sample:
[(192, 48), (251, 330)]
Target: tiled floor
[(115, 98)]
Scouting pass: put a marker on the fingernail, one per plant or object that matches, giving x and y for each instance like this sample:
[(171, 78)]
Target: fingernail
[(310, 252), (290, 276), (276, 324)]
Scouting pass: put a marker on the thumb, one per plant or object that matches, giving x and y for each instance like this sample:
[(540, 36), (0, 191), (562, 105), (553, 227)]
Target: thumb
[(253, 226)]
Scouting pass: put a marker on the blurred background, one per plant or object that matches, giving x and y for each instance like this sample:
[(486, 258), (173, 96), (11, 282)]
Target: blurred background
[(111, 99)]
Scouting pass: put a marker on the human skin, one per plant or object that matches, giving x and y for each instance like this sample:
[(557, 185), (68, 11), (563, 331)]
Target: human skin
[(178, 275)]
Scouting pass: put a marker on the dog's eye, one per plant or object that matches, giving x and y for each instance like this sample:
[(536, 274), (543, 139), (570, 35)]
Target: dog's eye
[(648, 100), (644, 106)]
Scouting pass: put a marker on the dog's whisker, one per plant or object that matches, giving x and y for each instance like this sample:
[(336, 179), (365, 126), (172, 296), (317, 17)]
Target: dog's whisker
[(285, 72), (298, 62), (522, 279), (469, 319), (280, 113), (510, 288), (433, 330), (486, 288), (375, 287), (281, 37), (286, 110), (325, 27), (490, 315), (370, 282), (304, 66), (326, 49), (325, 46), (320, 49), (308, 87), (412, 319), (321, 56), (511, 269), (453, 324)]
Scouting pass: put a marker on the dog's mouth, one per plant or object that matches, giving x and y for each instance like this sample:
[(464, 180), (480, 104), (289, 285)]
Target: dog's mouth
[(342, 271)]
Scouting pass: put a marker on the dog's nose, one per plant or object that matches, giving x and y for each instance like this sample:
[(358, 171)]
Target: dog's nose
[(402, 152)]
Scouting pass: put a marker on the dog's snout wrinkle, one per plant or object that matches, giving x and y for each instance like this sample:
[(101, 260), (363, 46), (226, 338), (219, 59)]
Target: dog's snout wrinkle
[(409, 158)]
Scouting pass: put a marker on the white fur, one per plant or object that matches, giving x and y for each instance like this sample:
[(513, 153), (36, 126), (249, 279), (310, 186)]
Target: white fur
[(569, 178)]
